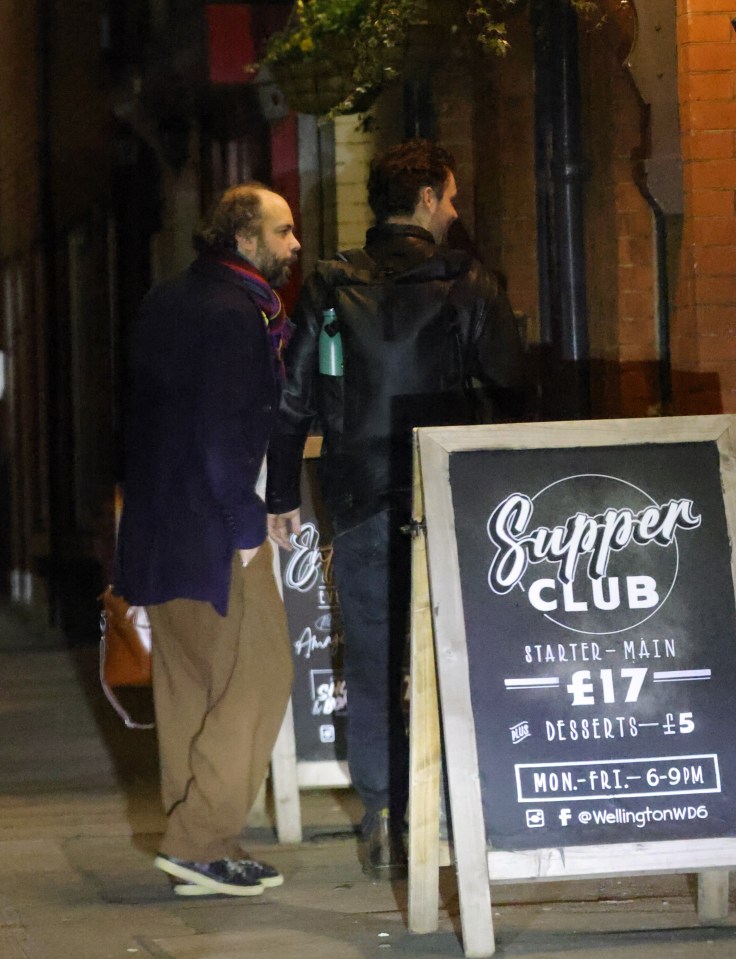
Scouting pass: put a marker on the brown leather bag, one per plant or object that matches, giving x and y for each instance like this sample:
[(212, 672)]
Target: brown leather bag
[(125, 650)]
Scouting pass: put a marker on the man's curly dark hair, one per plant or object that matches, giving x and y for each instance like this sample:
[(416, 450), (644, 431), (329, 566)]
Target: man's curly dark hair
[(238, 210), (397, 175)]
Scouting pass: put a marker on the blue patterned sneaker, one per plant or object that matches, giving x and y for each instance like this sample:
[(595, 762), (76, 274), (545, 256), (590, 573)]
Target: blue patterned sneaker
[(268, 876), (223, 876)]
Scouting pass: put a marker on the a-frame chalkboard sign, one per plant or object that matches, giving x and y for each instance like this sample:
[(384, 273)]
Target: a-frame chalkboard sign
[(581, 578)]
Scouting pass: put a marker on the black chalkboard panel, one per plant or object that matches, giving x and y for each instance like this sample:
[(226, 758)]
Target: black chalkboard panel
[(319, 694), (601, 639)]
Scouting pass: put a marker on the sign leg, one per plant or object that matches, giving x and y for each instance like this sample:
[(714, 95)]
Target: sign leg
[(285, 782), (712, 894), (424, 811)]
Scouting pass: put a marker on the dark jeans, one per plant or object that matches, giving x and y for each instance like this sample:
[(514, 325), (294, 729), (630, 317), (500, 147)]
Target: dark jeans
[(372, 565)]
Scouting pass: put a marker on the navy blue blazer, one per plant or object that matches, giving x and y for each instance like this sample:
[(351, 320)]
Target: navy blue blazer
[(202, 395)]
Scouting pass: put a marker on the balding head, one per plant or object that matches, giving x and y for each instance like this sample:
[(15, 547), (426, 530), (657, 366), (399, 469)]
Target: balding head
[(238, 211)]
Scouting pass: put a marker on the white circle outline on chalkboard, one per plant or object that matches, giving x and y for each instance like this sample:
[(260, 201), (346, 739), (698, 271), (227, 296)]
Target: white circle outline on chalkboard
[(610, 632)]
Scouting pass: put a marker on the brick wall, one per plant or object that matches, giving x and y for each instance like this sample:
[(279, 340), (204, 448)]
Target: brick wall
[(619, 228), (484, 110), (354, 147), (455, 120), (704, 327), (505, 224)]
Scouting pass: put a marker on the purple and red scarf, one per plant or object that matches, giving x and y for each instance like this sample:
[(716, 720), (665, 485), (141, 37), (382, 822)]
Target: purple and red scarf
[(278, 325)]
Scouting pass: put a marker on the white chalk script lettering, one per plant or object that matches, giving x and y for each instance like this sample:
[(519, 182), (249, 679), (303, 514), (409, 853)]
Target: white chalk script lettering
[(599, 536), (309, 642), (309, 563)]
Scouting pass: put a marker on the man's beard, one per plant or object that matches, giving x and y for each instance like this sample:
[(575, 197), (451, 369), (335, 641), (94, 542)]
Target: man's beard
[(275, 270)]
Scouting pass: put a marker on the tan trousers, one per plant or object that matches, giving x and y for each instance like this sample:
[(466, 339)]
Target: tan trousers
[(220, 687)]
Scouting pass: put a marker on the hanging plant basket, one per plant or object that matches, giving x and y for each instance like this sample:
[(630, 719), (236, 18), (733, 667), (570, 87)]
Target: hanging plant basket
[(308, 88), (318, 85)]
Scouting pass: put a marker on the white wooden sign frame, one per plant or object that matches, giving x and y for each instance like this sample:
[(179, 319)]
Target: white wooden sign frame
[(477, 866)]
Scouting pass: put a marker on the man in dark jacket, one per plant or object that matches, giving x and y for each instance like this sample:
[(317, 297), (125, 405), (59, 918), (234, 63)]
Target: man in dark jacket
[(192, 548), (419, 323)]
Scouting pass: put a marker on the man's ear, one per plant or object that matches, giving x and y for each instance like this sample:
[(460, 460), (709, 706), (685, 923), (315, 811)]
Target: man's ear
[(426, 205), (247, 245), (428, 198)]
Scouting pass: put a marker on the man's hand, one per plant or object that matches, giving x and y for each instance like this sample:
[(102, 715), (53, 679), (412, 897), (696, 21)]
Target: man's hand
[(246, 555), (282, 525)]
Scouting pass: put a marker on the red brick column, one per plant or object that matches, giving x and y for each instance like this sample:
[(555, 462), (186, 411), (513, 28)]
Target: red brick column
[(704, 320)]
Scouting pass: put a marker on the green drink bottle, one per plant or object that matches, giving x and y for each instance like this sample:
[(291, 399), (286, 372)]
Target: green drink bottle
[(330, 345)]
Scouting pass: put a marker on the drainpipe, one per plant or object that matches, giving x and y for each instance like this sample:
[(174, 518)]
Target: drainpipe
[(542, 147), (663, 308), (568, 175), (419, 118)]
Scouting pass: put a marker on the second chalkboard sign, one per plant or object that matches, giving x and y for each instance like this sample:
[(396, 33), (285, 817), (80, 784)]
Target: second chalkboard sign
[(310, 752), (319, 692)]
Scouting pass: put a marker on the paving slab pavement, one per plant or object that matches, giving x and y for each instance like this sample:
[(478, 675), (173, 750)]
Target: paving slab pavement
[(80, 822)]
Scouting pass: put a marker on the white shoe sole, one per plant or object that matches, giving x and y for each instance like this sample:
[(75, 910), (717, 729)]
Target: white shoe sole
[(189, 889), (273, 882), (211, 885)]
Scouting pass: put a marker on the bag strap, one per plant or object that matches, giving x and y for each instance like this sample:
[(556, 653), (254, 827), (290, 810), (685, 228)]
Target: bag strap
[(110, 695)]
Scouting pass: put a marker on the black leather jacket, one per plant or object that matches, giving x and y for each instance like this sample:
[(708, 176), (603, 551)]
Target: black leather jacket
[(420, 324)]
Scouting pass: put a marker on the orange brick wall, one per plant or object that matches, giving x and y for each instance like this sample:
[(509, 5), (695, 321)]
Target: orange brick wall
[(619, 228), (484, 108), (704, 325)]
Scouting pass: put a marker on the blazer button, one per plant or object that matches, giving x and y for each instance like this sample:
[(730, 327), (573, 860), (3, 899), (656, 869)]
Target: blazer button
[(267, 408)]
